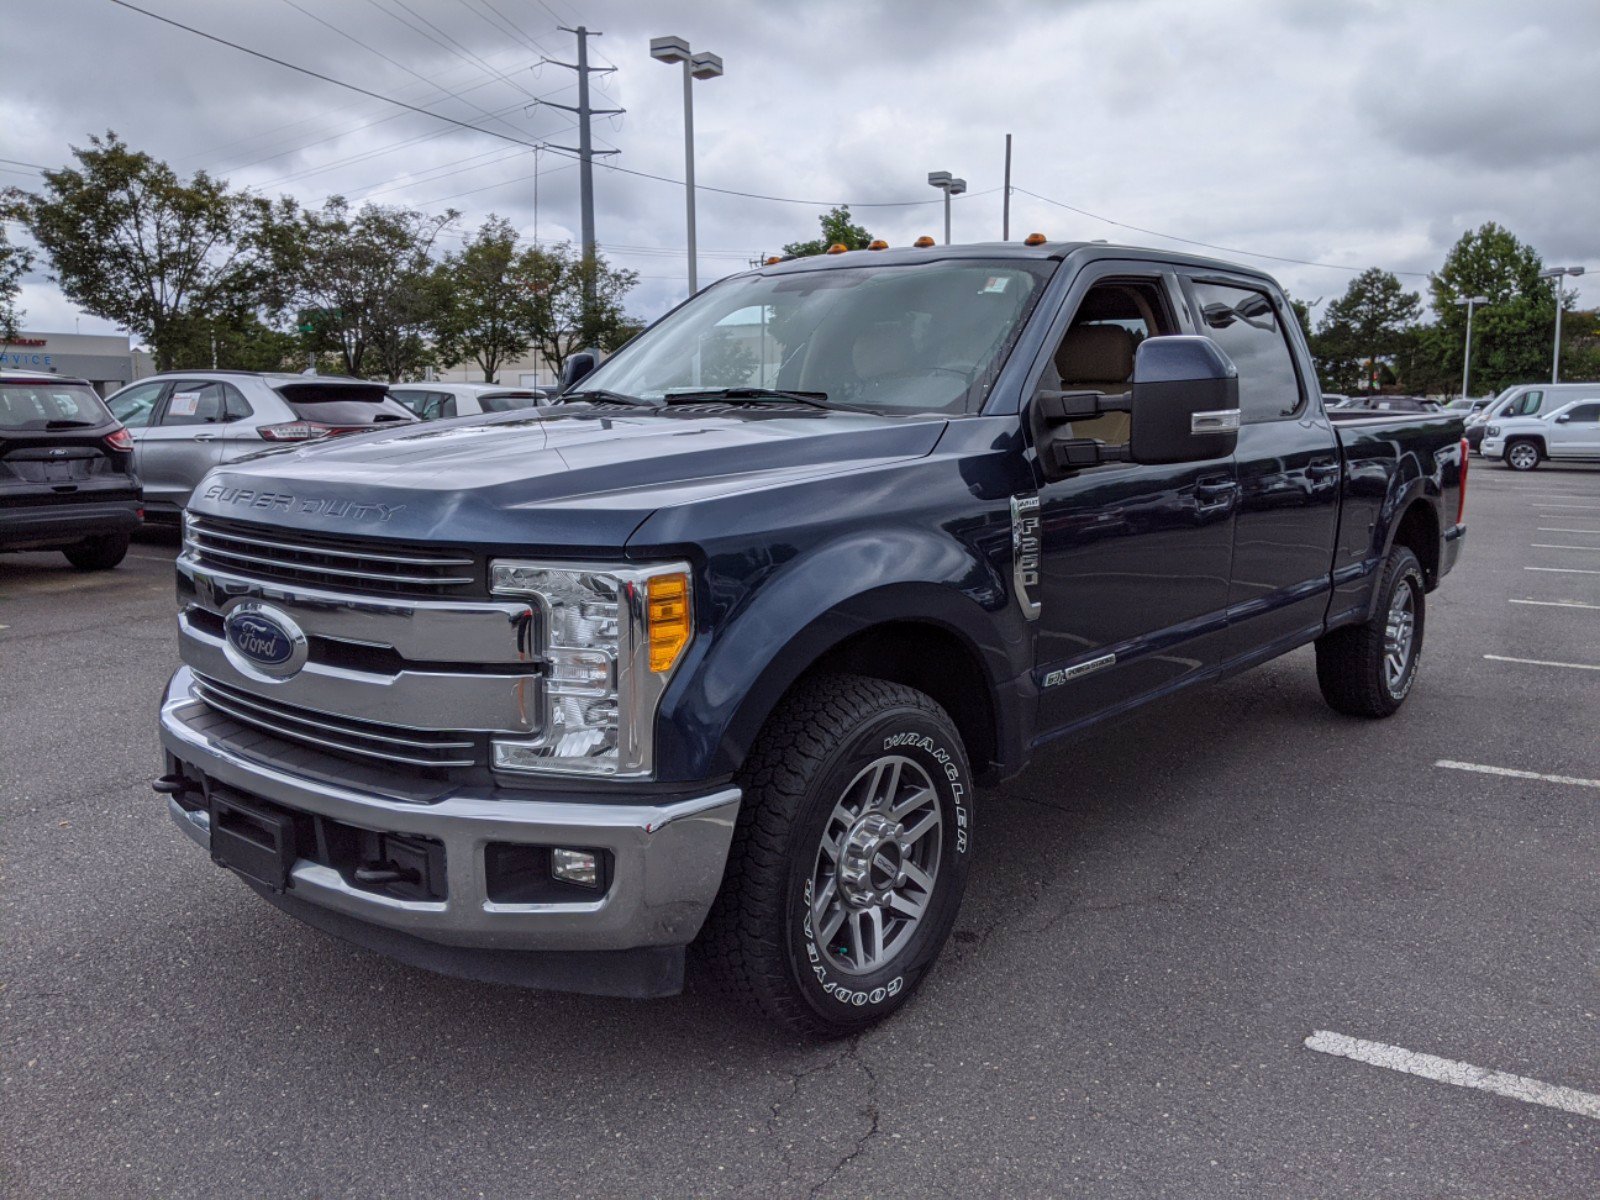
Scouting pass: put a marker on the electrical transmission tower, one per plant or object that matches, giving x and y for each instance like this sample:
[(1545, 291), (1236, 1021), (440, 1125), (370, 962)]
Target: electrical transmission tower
[(585, 148)]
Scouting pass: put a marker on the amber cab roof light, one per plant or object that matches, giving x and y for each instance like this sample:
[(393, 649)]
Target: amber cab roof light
[(1034, 239), (838, 248), (877, 244), (774, 260), (923, 242)]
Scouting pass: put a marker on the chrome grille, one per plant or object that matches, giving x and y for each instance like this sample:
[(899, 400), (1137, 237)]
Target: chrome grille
[(348, 564), (343, 735)]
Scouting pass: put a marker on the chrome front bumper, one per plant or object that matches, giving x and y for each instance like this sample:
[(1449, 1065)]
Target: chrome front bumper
[(668, 857)]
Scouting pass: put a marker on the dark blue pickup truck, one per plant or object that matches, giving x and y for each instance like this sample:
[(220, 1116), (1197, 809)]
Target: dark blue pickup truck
[(718, 648)]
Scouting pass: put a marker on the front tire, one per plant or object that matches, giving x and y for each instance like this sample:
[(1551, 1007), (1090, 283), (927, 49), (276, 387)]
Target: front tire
[(98, 553), (1523, 455), (1367, 670), (849, 858)]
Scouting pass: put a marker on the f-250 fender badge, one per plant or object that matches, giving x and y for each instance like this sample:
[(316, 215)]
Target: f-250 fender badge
[(1025, 554), (1058, 677)]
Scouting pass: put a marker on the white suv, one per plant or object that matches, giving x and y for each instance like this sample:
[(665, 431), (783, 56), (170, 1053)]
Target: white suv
[(433, 401), (1569, 432)]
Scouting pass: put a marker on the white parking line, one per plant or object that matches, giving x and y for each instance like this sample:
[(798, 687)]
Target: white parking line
[(1445, 1070), (1547, 504), (1564, 529), (1563, 570), (1539, 662), (1513, 773), (1553, 546), (1558, 603)]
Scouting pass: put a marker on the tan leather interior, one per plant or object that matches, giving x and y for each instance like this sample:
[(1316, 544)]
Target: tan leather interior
[(1098, 358)]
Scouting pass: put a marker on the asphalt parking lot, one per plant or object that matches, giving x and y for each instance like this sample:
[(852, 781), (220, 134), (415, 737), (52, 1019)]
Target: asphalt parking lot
[(1158, 919)]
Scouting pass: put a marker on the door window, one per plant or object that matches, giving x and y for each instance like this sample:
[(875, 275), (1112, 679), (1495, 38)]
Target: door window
[(1583, 414), (235, 406), (1244, 323), (195, 403), (1096, 353), (133, 406), (1524, 405)]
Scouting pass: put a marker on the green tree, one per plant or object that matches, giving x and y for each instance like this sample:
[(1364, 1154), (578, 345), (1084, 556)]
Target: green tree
[(1511, 335), (837, 230), (361, 284), (130, 241), (15, 262), (1363, 327), (565, 322), (487, 306)]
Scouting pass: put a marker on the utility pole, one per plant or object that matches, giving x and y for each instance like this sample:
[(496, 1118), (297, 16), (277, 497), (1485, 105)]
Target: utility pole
[(1554, 275), (704, 65), (585, 148), (1471, 302), (1005, 220)]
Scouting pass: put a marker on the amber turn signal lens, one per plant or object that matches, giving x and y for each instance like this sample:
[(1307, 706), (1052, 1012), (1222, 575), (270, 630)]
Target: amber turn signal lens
[(668, 603), (1034, 239)]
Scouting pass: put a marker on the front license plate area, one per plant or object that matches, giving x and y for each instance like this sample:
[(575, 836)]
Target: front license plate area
[(253, 840)]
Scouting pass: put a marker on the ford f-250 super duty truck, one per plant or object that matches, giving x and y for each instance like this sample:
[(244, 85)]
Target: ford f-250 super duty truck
[(718, 647)]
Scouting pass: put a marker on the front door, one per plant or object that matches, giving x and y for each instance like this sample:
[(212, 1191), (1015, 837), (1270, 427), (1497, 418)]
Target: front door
[(1134, 560), (1575, 433), (1288, 461), (136, 407)]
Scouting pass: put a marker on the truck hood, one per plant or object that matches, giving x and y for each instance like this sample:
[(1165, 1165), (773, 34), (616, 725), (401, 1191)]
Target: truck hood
[(579, 477)]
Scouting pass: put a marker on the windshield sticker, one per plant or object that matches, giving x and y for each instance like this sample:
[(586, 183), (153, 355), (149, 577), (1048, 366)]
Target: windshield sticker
[(183, 404), (995, 283)]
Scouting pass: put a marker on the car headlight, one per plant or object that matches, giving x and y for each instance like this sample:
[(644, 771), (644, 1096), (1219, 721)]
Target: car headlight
[(610, 639), (1492, 431)]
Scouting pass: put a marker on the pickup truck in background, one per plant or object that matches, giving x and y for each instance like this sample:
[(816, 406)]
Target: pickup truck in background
[(718, 647)]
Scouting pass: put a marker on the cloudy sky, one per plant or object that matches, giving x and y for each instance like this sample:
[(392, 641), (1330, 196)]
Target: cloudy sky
[(1348, 133)]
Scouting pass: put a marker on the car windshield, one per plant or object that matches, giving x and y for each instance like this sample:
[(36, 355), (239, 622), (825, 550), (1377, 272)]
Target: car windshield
[(36, 405), (924, 337)]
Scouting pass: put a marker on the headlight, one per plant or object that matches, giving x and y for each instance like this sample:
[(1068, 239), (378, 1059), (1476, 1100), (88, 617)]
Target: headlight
[(1492, 431), (610, 640)]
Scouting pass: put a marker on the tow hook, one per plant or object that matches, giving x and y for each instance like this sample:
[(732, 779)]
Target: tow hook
[(373, 873)]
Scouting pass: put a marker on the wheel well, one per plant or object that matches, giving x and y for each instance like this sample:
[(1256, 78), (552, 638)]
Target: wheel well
[(1535, 438), (934, 661), (1419, 533)]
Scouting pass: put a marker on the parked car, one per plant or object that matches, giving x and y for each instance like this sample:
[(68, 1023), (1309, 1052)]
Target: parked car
[(67, 480), (1467, 405), (184, 423), (723, 644), (432, 401), (1334, 399), (1569, 432), (1526, 400)]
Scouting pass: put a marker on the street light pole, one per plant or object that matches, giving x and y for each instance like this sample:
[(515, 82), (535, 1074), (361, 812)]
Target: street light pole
[(695, 66), (1554, 274), (1466, 357), (950, 186)]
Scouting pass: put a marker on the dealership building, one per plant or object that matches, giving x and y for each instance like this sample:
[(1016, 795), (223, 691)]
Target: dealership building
[(105, 360)]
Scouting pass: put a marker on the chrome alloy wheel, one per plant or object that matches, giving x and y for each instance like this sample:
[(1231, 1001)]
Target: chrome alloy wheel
[(1399, 635), (876, 867), (1523, 456)]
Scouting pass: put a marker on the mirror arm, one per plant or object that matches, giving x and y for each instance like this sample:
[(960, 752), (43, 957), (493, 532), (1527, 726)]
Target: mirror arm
[(1060, 408)]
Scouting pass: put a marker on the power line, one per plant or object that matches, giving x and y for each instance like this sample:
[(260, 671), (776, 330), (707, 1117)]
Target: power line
[(468, 125), (1304, 262)]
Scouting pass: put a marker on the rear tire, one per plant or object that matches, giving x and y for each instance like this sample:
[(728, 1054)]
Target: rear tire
[(1523, 455), (849, 858), (1367, 670), (98, 553)]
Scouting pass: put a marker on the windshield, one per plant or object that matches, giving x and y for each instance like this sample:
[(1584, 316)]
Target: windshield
[(41, 405), (925, 337)]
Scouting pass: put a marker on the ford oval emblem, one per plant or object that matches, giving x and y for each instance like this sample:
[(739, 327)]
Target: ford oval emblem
[(262, 640)]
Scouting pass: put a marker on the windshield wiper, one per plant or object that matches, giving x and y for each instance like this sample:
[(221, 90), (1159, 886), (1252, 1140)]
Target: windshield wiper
[(614, 397), (815, 399)]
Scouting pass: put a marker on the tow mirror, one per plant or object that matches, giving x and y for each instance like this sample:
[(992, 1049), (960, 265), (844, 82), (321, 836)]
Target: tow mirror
[(1183, 407), (577, 366), (1185, 401)]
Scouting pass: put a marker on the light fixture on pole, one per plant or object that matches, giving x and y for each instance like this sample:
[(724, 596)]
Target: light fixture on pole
[(950, 186), (704, 65), (1554, 274), (1466, 357)]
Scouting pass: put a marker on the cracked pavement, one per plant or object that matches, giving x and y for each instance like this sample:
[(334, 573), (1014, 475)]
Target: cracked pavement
[(1157, 916)]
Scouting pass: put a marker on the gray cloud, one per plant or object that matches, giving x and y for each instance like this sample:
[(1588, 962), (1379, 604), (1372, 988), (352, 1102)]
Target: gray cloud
[(1353, 133)]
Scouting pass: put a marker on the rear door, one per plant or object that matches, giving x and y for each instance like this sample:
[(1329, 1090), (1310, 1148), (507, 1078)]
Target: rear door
[(1576, 432), (1288, 467), (183, 444)]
